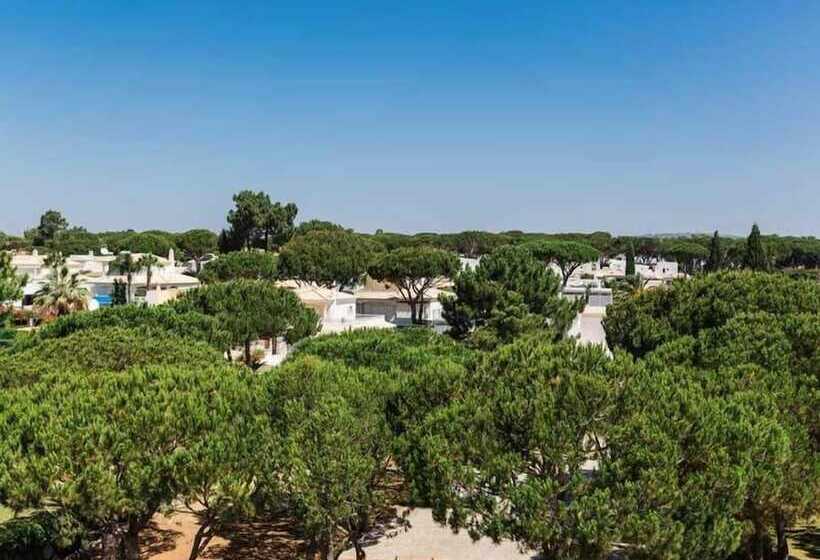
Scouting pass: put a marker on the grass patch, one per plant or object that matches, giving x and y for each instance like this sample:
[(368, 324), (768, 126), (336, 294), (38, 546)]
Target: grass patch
[(5, 514)]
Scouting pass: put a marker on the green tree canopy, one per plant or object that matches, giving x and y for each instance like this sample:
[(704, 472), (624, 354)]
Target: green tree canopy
[(642, 323), (251, 309), (715, 261), (255, 221), (317, 225), (688, 254), (427, 371), (332, 258), (509, 457), (630, 260), (11, 284), (568, 255), (197, 243), (51, 223), (739, 461), (102, 348), (508, 293), (473, 244), (249, 265), (147, 242), (414, 271), (755, 257), (337, 449), (395, 350), (75, 241), (165, 318), (113, 448)]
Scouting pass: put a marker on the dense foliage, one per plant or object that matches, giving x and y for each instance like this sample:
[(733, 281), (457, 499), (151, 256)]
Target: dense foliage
[(509, 293), (11, 284), (414, 271), (257, 222), (328, 257), (251, 309), (251, 265), (113, 447), (641, 324), (196, 244), (164, 318), (699, 437), (111, 348), (567, 255), (157, 243), (510, 458), (337, 449)]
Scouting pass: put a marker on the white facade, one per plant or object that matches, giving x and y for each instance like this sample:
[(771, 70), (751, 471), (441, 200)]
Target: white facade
[(98, 276), (337, 309), (616, 268)]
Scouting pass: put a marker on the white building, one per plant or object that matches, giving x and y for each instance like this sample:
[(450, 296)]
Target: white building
[(382, 299), (98, 274), (658, 269), (337, 309)]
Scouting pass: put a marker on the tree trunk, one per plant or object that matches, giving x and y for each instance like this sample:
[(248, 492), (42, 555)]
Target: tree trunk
[(197, 265), (111, 545), (325, 550), (414, 312), (360, 554), (782, 541), (131, 540), (201, 540), (760, 546), (248, 352)]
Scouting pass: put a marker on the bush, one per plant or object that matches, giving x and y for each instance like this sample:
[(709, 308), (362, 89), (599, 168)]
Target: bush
[(251, 265), (642, 323), (401, 349), (41, 536), (189, 324), (102, 349)]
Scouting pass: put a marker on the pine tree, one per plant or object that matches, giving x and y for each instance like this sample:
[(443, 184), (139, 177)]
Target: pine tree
[(715, 261), (630, 260), (755, 254)]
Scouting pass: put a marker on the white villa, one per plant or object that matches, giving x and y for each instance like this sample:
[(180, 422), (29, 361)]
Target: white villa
[(98, 275), (658, 270), (337, 309), (382, 299)]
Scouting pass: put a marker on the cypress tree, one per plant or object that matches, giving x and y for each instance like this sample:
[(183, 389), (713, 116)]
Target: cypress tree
[(755, 258), (715, 261), (119, 295), (630, 260)]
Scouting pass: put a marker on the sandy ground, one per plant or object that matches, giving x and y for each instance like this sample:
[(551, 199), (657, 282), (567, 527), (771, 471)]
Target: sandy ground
[(170, 539), (426, 539)]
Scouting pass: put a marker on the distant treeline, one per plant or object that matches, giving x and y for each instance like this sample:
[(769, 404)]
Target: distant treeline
[(273, 225)]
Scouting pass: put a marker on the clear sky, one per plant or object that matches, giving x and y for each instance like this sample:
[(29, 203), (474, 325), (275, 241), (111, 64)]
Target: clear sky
[(628, 116)]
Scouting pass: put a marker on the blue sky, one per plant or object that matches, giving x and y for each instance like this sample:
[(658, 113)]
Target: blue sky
[(633, 117)]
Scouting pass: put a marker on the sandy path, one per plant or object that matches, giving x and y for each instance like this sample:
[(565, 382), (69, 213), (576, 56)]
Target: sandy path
[(427, 539)]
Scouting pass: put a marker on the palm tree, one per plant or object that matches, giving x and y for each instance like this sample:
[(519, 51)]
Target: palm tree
[(627, 286), (126, 265), (147, 262), (62, 293)]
